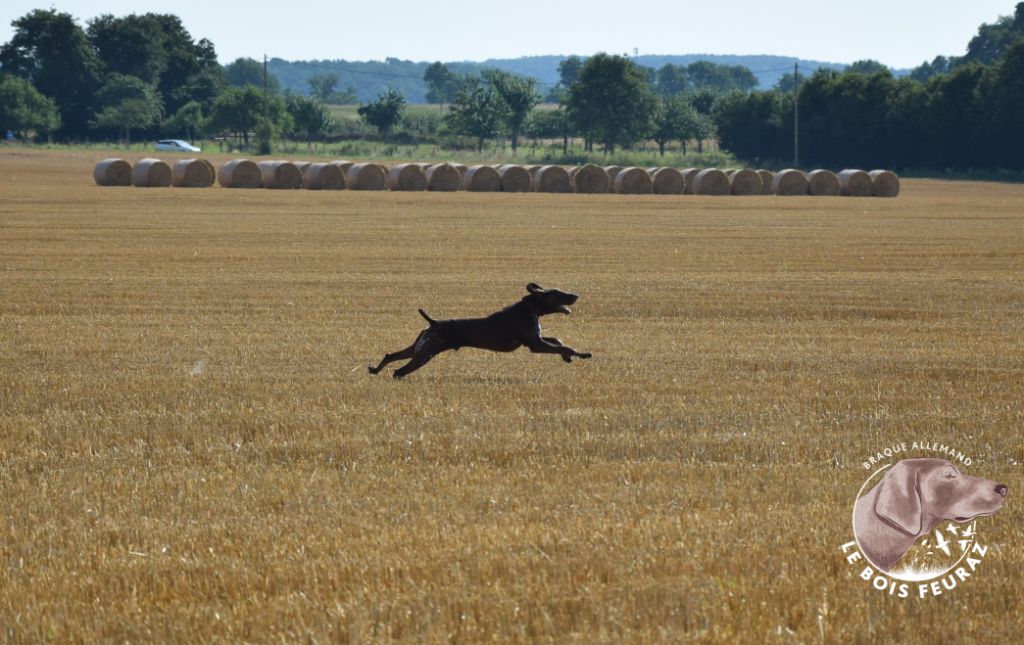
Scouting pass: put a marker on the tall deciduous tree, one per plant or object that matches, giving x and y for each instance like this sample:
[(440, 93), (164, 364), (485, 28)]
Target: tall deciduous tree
[(675, 120), (442, 83), (189, 119), (520, 95), (612, 102), (158, 49), (478, 111), (126, 103), (51, 51), (569, 70), (321, 86), (239, 111), (310, 116), (23, 109), (385, 112)]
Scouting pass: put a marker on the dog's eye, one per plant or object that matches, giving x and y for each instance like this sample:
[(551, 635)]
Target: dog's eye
[(950, 474)]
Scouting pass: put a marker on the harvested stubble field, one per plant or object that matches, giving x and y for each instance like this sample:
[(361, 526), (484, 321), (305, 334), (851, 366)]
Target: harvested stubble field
[(191, 448)]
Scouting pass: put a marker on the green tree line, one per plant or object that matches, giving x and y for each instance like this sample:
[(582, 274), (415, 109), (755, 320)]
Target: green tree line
[(967, 115), (145, 75)]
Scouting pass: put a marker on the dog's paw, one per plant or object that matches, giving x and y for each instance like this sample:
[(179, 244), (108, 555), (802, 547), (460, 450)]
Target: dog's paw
[(371, 370), (584, 355), (567, 358)]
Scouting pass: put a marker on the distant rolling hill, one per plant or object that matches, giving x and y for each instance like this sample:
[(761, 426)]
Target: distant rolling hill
[(369, 78)]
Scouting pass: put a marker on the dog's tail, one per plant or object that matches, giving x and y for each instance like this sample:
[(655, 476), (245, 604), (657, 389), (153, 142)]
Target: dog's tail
[(427, 318)]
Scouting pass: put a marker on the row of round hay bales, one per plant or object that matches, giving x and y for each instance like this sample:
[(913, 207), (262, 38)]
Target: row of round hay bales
[(587, 179)]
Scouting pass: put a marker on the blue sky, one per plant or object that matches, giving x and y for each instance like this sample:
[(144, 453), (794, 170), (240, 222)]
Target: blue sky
[(898, 33)]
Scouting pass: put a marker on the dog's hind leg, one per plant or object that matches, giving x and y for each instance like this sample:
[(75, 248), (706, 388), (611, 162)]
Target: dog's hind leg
[(426, 347), (400, 355)]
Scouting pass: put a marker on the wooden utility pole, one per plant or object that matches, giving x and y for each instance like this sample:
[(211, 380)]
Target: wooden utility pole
[(265, 142), (796, 115)]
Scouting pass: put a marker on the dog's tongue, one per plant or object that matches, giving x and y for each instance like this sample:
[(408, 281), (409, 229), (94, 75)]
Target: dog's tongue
[(565, 310)]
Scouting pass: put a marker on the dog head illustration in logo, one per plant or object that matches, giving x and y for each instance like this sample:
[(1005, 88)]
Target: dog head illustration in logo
[(914, 496)]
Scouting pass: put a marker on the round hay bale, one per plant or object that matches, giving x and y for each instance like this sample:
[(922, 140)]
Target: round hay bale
[(515, 179), (668, 181), (633, 181), (789, 182), (323, 176), (766, 181), (711, 181), (729, 172), (481, 179), (462, 168), (443, 177), (113, 172), (690, 175), (552, 179), (240, 173), (744, 182), (855, 183), (366, 176), (591, 180), (407, 177), (822, 183), (533, 170), (302, 165), (885, 183), (192, 173), (280, 175), (151, 173)]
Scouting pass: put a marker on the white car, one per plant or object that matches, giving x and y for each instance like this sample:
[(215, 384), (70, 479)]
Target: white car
[(176, 145)]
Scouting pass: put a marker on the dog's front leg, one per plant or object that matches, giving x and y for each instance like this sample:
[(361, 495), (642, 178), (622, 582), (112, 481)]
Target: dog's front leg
[(551, 345)]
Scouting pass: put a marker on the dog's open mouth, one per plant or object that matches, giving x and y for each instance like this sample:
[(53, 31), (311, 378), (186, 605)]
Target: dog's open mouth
[(565, 309)]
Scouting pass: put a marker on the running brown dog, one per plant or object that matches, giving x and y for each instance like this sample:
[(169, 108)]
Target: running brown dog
[(503, 331)]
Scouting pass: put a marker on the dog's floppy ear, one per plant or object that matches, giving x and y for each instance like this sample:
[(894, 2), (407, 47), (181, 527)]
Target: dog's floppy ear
[(899, 500), (533, 287)]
